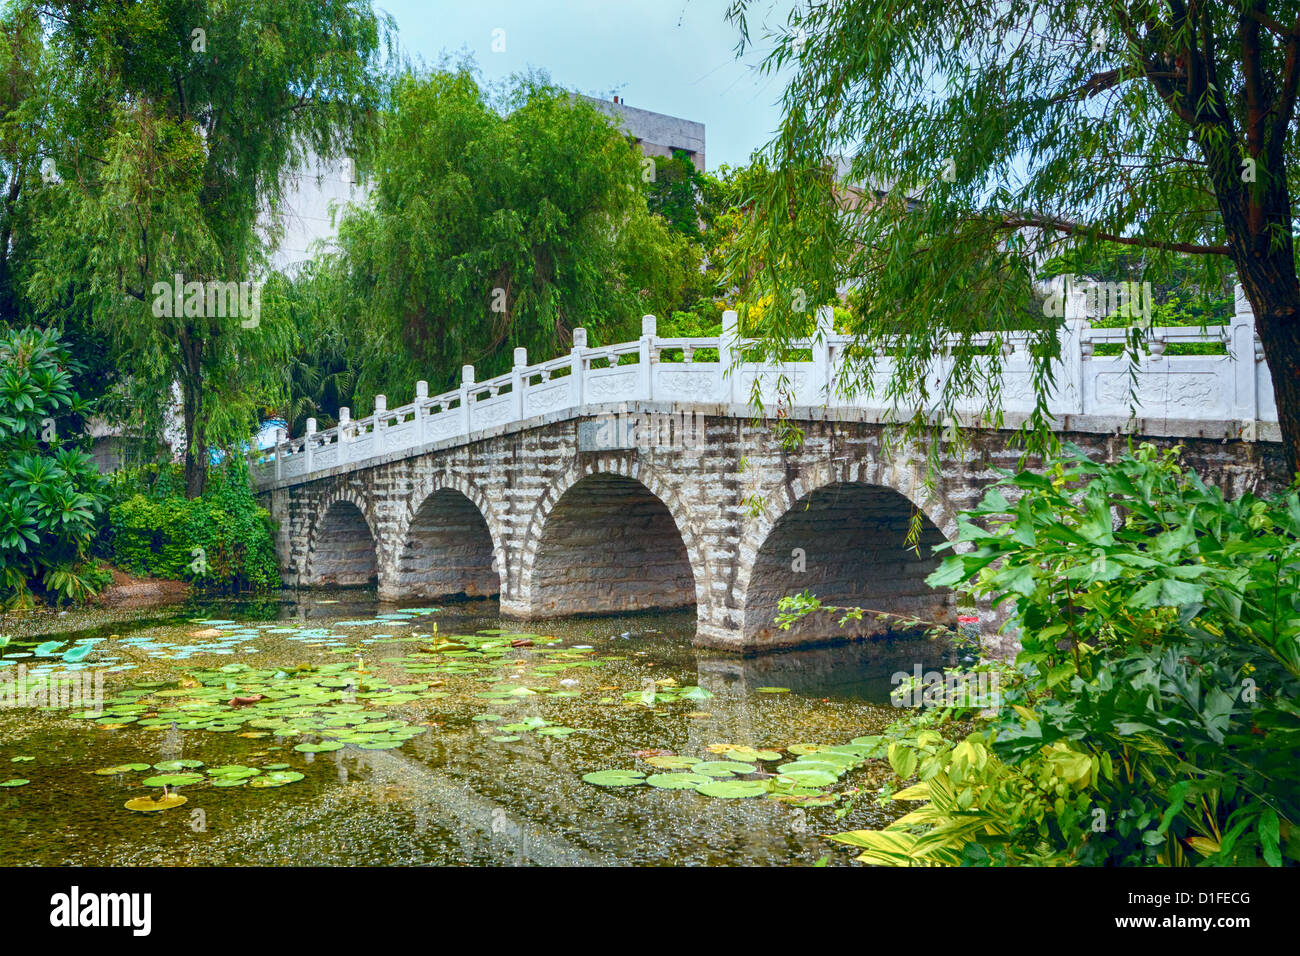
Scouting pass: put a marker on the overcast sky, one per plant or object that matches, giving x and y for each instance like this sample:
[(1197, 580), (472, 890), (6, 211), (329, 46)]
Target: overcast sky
[(669, 56)]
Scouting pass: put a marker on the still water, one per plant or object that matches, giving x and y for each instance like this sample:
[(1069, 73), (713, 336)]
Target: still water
[(357, 733)]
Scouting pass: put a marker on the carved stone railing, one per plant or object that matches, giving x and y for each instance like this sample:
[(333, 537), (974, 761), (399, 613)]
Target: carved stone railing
[(1104, 389)]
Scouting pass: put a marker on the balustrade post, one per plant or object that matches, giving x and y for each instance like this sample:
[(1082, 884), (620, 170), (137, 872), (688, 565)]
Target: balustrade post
[(647, 358), (345, 419), (381, 407), (308, 443), (1241, 355), (577, 366), (518, 383), (281, 449), (821, 351), (1071, 389), (729, 356), (421, 393), (466, 383)]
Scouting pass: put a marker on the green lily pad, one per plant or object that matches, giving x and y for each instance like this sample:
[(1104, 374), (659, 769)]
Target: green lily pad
[(323, 747), (169, 765), (16, 782), (811, 778), (672, 762), (276, 778), (733, 789), (615, 778), (173, 780), (122, 768), (722, 768), (677, 781)]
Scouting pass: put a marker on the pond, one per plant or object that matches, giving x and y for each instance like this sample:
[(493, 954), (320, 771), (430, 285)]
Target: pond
[(332, 729)]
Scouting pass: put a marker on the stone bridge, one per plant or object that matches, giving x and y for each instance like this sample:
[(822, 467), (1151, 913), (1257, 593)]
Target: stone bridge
[(637, 476)]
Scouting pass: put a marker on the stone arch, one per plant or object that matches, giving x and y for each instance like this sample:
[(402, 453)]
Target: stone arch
[(850, 520), (449, 516), (617, 490), (342, 549)]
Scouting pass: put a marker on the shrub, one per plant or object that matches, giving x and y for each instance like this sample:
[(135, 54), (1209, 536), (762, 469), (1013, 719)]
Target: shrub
[(220, 541), (50, 490), (1154, 711)]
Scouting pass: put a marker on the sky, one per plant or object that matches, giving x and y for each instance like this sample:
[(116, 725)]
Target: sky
[(669, 56)]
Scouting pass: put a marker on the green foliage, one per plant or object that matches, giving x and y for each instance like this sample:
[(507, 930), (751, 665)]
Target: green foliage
[(220, 541), (1156, 710), (50, 490), (972, 158), (171, 147), (498, 221)]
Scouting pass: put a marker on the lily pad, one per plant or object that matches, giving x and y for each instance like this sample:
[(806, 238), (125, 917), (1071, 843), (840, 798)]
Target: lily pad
[(672, 762), (677, 781), (615, 778), (323, 747), (733, 789), (277, 778), (150, 805), (173, 780), (16, 782), (722, 768), (122, 768), (811, 778)]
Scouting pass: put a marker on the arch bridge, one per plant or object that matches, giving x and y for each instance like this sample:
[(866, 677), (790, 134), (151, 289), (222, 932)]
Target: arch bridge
[(635, 477)]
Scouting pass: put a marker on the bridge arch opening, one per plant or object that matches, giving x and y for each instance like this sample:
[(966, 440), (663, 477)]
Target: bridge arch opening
[(610, 546), (448, 551), (847, 544), (343, 552)]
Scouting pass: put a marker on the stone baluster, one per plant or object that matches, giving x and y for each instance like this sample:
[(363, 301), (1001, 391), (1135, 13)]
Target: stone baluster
[(1071, 387), (308, 444), (421, 413), (381, 408), (280, 450), (518, 382), (648, 357), (1244, 361), (821, 352), (729, 356), (577, 367), (466, 387)]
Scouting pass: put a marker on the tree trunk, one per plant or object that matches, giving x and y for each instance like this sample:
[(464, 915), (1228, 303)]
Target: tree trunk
[(196, 445), (1277, 320)]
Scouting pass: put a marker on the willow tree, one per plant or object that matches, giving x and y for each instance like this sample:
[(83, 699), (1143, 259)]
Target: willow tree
[(499, 218), (986, 137), (173, 127)]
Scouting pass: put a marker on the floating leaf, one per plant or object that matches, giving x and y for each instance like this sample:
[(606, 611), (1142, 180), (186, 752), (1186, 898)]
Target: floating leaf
[(615, 778), (733, 789), (672, 762), (122, 768), (277, 778), (173, 780), (16, 782), (721, 768), (677, 781), (150, 805)]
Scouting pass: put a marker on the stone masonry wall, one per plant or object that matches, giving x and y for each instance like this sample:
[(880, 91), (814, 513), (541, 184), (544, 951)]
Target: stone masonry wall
[(667, 527)]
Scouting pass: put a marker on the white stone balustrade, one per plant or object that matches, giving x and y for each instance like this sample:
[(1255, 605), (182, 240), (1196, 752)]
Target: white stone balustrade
[(1093, 392)]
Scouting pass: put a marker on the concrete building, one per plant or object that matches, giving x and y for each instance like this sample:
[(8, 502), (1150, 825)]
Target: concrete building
[(656, 133)]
